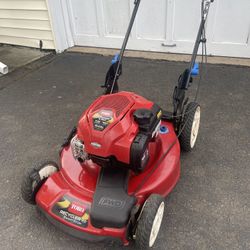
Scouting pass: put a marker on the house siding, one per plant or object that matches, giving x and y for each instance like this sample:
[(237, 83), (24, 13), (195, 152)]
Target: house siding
[(25, 23)]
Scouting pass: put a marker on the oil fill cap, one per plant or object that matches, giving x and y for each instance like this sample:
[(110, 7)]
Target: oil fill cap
[(143, 116)]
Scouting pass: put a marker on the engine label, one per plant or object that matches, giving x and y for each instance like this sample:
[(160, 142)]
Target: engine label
[(72, 211), (102, 119)]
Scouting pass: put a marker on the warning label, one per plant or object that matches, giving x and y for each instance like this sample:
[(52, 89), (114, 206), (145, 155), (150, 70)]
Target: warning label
[(102, 119)]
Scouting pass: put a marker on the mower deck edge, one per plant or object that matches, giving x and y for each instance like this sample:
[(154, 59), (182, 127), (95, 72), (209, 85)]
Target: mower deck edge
[(78, 234)]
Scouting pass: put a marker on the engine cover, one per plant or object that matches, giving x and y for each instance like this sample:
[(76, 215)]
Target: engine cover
[(108, 128)]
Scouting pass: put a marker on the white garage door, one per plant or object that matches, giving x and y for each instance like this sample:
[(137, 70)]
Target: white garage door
[(162, 25)]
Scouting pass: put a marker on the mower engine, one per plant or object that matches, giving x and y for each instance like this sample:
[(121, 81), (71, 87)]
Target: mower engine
[(115, 131)]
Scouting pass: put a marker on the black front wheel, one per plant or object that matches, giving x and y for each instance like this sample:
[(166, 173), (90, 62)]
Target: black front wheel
[(34, 178), (149, 222)]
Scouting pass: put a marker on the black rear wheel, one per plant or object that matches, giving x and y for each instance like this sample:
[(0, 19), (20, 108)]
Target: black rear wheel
[(190, 126), (34, 178)]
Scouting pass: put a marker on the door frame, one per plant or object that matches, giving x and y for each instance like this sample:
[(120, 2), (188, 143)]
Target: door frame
[(60, 22)]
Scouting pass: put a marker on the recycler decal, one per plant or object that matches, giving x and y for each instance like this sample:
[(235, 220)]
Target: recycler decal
[(72, 210)]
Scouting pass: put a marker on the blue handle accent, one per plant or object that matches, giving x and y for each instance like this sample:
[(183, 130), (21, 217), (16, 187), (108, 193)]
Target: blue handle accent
[(195, 70), (115, 58)]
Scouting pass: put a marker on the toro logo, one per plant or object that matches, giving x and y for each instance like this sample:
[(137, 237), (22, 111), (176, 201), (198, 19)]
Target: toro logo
[(76, 209), (106, 113)]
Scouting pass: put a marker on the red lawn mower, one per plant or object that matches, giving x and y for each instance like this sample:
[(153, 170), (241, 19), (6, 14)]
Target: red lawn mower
[(121, 161)]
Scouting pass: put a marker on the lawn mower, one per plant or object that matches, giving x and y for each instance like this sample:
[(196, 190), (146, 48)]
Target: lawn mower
[(121, 160)]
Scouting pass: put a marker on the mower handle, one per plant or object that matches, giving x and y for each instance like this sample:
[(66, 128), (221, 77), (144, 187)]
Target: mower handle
[(186, 77)]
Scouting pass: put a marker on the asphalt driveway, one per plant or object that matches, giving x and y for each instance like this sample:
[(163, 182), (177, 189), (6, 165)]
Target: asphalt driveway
[(210, 206)]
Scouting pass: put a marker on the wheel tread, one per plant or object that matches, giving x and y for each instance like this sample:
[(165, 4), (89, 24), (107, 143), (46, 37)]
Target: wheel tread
[(188, 122), (146, 221), (27, 192)]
